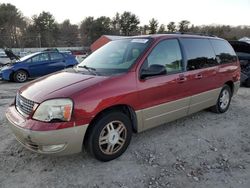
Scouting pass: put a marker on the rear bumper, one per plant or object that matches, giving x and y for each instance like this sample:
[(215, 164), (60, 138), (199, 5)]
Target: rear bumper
[(57, 142)]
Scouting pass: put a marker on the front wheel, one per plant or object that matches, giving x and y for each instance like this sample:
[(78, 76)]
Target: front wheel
[(110, 136), (20, 76), (223, 101)]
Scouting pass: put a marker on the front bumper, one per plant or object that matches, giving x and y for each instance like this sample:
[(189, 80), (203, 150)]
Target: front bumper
[(58, 142), (5, 74)]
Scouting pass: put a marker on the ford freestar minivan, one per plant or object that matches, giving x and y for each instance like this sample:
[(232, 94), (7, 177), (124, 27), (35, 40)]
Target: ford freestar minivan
[(128, 85)]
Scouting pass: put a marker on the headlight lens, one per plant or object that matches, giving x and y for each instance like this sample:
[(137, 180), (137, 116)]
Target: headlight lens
[(55, 109), (6, 67)]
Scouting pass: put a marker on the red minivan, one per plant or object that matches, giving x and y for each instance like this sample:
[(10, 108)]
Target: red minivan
[(128, 85)]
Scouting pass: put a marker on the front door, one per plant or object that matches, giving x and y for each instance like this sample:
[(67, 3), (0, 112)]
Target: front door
[(38, 65), (163, 98)]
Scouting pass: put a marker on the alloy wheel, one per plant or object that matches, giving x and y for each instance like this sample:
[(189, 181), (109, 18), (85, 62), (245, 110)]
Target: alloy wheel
[(112, 137), (224, 99), (21, 76)]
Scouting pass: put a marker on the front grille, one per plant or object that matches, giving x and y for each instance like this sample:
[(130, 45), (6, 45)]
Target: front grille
[(23, 105)]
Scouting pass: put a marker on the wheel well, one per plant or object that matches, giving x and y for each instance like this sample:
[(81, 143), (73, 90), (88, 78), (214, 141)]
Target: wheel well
[(129, 111), (12, 74), (231, 85)]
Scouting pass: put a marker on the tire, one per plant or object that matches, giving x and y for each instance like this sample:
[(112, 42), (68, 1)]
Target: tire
[(109, 136), (223, 101), (20, 76)]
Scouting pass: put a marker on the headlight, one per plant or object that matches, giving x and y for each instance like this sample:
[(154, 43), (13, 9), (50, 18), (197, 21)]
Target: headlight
[(6, 67), (55, 109)]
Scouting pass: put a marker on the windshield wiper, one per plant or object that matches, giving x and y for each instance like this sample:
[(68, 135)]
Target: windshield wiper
[(90, 69)]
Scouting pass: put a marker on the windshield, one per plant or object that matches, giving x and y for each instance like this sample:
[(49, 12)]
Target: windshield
[(27, 57), (116, 56)]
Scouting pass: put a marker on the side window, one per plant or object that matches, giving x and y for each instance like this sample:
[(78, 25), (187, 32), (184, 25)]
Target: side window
[(55, 56), (199, 53), (224, 52), (40, 57), (168, 54)]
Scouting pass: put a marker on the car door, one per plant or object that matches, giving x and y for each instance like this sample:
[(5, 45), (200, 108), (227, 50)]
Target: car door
[(38, 65), (163, 98), (202, 69), (57, 62)]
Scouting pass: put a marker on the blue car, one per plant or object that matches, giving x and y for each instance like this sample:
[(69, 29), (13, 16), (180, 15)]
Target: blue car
[(37, 64)]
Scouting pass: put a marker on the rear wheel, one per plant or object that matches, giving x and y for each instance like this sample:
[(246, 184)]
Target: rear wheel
[(20, 76), (223, 101), (110, 136)]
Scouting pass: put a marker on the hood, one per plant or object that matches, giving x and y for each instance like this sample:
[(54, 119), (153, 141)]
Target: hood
[(59, 85), (8, 64), (240, 46), (11, 55)]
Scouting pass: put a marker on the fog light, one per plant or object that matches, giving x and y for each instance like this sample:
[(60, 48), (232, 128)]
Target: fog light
[(53, 148)]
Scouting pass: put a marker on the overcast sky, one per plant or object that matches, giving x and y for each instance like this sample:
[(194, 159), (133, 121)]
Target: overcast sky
[(198, 12)]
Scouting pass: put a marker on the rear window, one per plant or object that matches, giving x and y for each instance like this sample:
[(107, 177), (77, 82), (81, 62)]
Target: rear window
[(67, 55), (224, 51), (199, 53)]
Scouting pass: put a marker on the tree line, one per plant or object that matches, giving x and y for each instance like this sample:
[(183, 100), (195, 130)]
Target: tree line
[(42, 30)]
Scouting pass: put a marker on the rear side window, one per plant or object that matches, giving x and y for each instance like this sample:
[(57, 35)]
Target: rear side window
[(66, 55), (168, 54), (224, 52), (56, 56), (199, 52)]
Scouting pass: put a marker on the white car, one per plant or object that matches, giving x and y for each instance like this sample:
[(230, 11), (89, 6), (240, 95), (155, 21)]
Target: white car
[(3, 58)]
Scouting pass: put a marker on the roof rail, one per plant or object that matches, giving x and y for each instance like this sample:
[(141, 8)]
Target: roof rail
[(191, 33)]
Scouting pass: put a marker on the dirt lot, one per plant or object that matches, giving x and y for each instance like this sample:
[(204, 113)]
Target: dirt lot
[(202, 150)]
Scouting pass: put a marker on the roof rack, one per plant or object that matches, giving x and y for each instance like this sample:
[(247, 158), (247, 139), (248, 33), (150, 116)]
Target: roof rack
[(191, 33)]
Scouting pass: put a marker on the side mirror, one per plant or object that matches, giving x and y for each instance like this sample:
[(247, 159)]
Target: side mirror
[(153, 70)]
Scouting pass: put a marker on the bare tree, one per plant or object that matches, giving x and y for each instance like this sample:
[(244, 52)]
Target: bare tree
[(68, 34)]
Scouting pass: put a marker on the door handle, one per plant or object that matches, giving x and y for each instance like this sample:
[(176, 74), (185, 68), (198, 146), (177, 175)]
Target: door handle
[(198, 76), (182, 78)]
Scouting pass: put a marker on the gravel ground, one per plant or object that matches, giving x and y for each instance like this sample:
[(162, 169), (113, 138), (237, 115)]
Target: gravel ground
[(201, 150)]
